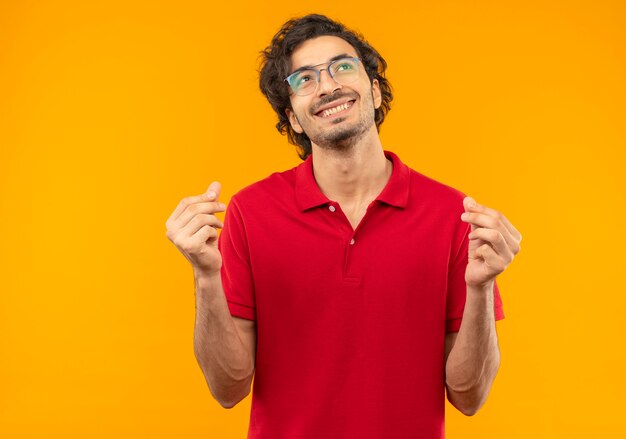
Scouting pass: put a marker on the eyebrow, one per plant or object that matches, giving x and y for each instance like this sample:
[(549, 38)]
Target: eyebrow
[(334, 58)]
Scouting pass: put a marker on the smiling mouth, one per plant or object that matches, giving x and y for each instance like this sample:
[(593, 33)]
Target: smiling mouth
[(334, 110)]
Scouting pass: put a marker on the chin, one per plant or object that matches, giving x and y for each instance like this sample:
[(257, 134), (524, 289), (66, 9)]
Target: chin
[(340, 141)]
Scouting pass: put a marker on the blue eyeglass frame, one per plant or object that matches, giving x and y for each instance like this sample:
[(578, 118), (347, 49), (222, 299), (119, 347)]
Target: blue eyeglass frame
[(318, 72)]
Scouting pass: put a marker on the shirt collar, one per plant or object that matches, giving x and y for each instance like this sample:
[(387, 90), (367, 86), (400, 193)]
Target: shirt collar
[(395, 193)]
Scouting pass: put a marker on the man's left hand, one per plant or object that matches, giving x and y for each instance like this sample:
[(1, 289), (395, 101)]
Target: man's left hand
[(494, 242)]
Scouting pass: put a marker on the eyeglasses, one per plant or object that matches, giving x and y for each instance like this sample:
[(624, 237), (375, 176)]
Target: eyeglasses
[(343, 71)]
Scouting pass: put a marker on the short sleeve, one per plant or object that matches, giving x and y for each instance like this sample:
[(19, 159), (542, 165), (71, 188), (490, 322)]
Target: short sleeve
[(457, 289), (237, 279)]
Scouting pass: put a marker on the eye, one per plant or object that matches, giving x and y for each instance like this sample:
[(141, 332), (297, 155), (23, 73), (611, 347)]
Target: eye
[(344, 66), (303, 78)]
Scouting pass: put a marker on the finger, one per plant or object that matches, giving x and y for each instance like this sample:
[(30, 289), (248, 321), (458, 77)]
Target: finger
[(496, 240), (467, 203), (493, 262), (205, 234), (214, 190), (183, 204), (198, 209), (491, 222), (199, 220), (471, 205), (196, 223)]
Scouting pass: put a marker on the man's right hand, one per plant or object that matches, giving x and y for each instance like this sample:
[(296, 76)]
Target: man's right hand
[(192, 228)]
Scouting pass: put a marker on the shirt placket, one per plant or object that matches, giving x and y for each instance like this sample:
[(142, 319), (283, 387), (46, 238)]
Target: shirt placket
[(350, 273)]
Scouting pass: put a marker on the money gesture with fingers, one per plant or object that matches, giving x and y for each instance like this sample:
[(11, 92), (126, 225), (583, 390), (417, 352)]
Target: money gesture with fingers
[(494, 242), (192, 228)]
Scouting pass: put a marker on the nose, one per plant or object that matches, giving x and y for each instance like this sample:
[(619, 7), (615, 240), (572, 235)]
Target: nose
[(327, 84)]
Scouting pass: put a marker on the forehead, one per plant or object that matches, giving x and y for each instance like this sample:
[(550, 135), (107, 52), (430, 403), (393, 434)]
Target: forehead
[(320, 50)]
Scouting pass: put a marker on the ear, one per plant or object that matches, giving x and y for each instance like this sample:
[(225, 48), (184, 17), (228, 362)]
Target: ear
[(293, 121), (376, 94)]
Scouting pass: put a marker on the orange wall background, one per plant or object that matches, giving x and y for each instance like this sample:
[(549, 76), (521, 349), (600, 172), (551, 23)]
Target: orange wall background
[(111, 112)]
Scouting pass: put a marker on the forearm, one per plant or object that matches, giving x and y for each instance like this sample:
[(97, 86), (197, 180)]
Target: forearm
[(227, 365), (473, 362)]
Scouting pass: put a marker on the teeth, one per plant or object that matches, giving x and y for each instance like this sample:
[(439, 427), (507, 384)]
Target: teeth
[(336, 109)]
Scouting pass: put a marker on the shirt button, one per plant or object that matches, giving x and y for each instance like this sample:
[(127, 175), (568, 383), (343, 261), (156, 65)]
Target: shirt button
[(331, 208), (352, 241)]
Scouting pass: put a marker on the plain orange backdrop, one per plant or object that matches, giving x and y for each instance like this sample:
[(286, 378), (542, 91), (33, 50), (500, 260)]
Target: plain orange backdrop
[(111, 112)]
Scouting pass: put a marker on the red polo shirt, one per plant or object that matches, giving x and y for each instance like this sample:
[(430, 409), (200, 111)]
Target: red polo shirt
[(350, 323)]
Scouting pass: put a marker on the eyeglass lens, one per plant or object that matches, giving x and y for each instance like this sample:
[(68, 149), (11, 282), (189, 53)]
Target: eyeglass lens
[(344, 71)]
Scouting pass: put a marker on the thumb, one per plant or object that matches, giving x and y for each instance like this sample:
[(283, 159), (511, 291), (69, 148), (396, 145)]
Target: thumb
[(467, 201), (213, 192)]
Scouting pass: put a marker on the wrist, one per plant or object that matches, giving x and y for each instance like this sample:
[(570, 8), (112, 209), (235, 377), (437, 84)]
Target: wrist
[(207, 283), (208, 289), (482, 288), (206, 276)]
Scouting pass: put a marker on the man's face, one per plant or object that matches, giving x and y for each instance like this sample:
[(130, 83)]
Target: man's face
[(344, 128)]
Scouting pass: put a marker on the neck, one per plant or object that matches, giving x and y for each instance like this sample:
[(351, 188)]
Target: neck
[(353, 176)]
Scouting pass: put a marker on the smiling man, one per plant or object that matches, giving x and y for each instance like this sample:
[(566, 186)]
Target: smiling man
[(356, 291), (339, 119)]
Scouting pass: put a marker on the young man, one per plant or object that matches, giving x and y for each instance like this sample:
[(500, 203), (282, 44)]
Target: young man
[(351, 287)]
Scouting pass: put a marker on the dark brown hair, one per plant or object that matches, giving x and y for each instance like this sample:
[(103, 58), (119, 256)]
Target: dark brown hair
[(275, 65)]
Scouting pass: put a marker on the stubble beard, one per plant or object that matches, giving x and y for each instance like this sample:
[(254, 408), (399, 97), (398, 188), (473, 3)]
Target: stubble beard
[(343, 138)]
